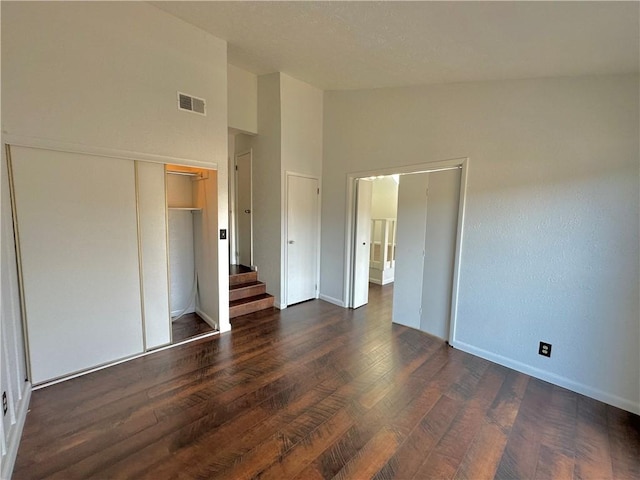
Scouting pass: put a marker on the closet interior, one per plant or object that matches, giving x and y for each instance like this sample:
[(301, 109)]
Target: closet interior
[(192, 227)]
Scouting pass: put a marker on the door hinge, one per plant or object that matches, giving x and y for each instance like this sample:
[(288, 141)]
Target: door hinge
[(236, 168), (318, 191), (316, 287)]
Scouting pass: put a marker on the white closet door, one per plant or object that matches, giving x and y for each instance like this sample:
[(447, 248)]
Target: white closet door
[(152, 208), (410, 238), (79, 252)]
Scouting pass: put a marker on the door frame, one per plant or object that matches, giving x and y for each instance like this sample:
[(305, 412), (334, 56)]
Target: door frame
[(428, 167), (236, 210), (285, 236)]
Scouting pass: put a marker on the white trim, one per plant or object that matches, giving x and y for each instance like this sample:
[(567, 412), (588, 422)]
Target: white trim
[(279, 306), (333, 300), (57, 146), (457, 259), (285, 236), (380, 282), (564, 382), (15, 433), (449, 164), (175, 313), (210, 321)]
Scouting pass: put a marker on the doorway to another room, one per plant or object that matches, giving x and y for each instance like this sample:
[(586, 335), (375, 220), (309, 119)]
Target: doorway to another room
[(419, 247), (375, 234)]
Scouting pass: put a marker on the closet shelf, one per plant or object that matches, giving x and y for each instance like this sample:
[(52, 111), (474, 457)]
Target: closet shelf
[(192, 209)]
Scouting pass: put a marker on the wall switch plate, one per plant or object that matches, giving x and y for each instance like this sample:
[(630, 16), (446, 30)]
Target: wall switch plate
[(223, 234), (544, 349)]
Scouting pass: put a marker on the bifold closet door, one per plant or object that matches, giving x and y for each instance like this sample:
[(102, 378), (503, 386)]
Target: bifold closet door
[(77, 231)]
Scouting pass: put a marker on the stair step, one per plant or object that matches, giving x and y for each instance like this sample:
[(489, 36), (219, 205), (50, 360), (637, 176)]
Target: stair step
[(248, 305), (245, 290), (246, 277)]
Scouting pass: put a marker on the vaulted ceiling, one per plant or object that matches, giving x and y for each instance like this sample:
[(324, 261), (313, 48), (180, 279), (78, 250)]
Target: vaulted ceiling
[(349, 45)]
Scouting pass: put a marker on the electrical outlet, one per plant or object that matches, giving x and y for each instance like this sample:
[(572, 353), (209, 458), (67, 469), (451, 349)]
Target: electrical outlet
[(5, 405), (544, 349)]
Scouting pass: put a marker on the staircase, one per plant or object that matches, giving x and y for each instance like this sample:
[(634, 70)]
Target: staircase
[(246, 293)]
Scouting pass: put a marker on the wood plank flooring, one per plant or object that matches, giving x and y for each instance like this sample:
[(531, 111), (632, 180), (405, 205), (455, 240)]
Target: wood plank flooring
[(188, 326), (316, 391)]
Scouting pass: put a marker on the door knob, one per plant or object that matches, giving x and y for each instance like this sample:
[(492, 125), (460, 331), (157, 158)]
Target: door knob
[(247, 211), (291, 242)]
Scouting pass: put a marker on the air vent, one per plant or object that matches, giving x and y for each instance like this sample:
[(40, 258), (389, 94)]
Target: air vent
[(190, 103)]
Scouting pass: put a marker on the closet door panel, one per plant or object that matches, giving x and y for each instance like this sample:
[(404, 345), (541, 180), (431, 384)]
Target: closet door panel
[(77, 226), (152, 209)]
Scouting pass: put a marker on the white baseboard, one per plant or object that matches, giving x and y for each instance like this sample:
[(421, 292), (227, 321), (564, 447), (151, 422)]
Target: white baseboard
[(564, 382), (15, 433), (212, 323), (335, 301), (175, 313)]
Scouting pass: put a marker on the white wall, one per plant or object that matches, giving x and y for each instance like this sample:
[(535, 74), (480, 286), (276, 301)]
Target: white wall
[(267, 184), (181, 261), (550, 248), (107, 74), (301, 117), (242, 87), (384, 198), (290, 139), (212, 283)]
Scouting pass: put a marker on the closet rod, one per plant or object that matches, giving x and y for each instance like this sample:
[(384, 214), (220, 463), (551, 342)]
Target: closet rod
[(186, 174)]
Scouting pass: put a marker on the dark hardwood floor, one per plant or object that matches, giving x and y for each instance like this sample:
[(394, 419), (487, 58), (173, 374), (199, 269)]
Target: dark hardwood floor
[(188, 326), (316, 391)]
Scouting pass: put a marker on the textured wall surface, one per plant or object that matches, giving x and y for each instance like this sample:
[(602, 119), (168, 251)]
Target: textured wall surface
[(550, 247)]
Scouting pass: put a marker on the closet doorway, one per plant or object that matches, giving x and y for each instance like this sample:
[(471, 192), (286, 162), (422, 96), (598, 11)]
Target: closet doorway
[(192, 226)]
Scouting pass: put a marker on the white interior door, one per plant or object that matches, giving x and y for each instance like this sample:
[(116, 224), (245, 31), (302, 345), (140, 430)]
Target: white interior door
[(78, 242), (244, 210), (302, 238), (362, 243), (410, 241), (440, 245)]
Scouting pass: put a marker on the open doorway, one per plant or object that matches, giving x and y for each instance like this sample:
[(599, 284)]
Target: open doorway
[(244, 210), (426, 243), (375, 232)]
